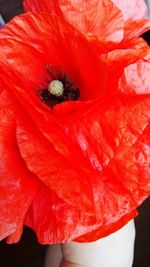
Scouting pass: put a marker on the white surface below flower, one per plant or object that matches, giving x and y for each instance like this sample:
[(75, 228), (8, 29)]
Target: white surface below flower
[(116, 250)]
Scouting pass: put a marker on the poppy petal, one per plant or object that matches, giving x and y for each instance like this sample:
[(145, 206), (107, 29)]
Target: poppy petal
[(134, 29), (105, 230), (15, 237), (103, 11), (103, 47), (17, 184), (54, 168), (136, 79), (68, 222), (122, 58), (135, 9), (99, 18)]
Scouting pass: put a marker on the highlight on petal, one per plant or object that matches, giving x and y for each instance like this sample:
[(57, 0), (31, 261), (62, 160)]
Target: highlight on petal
[(136, 78), (135, 9), (99, 17)]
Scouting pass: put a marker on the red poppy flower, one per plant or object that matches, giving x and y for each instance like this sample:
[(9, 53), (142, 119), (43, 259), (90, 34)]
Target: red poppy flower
[(74, 133)]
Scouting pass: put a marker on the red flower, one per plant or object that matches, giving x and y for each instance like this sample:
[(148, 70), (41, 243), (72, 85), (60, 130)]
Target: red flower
[(72, 169)]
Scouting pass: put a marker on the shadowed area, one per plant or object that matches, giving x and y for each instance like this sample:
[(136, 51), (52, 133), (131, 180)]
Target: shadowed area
[(10, 8)]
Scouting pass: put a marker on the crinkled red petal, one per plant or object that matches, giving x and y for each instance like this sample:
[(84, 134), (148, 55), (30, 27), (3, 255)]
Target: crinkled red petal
[(136, 78), (134, 29), (17, 184), (100, 18), (121, 58), (68, 222), (54, 220), (105, 230), (57, 168), (111, 143)]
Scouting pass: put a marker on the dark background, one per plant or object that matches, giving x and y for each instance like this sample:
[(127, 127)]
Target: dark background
[(28, 253)]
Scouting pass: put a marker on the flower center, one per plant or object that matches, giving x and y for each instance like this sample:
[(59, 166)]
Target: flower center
[(56, 88), (59, 88)]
